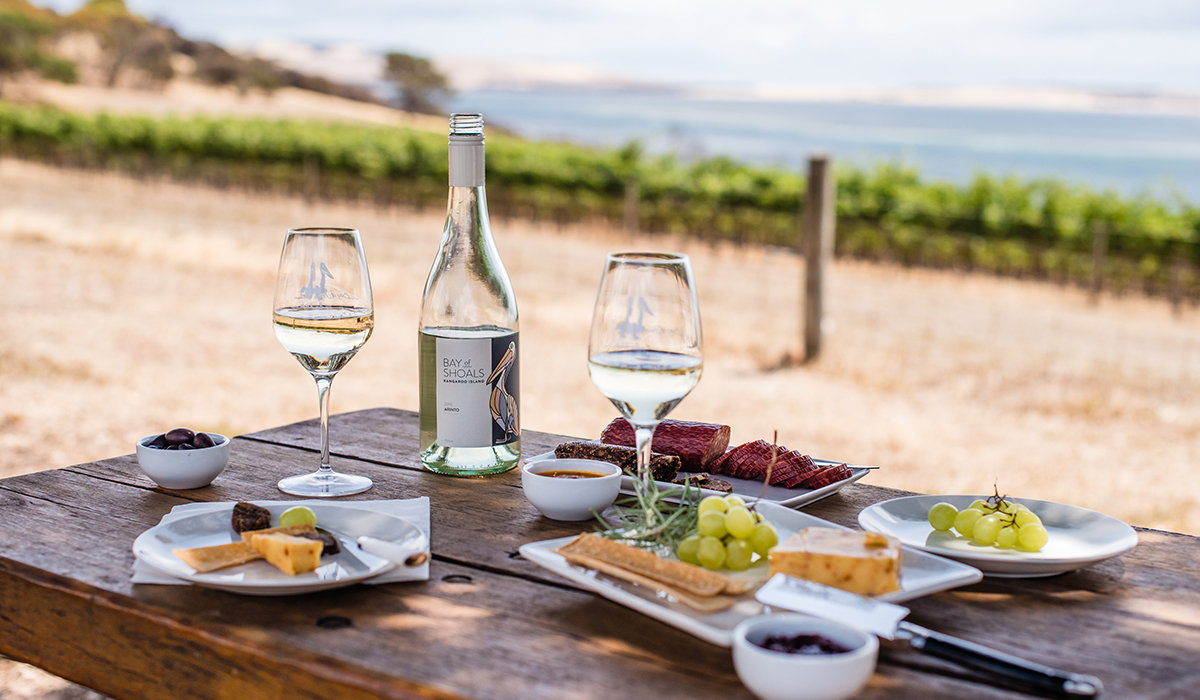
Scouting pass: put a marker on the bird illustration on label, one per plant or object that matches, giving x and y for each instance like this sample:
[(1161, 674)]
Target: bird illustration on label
[(504, 404)]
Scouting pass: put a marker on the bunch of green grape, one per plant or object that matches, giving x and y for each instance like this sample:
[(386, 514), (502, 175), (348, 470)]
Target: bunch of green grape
[(995, 521), (728, 535)]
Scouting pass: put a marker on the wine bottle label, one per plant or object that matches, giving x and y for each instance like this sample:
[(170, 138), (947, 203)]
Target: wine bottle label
[(478, 391)]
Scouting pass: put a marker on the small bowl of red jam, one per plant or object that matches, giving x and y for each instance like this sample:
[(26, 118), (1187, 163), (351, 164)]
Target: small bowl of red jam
[(789, 656)]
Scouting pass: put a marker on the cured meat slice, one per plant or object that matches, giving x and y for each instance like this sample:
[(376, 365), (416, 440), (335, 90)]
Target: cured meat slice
[(804, 469), (750, 460), (826, 476), (696, 444), (662, 467), (728, 464), (832, 476)]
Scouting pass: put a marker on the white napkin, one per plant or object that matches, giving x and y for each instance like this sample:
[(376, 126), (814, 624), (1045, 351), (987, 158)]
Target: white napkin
[(414, 510)]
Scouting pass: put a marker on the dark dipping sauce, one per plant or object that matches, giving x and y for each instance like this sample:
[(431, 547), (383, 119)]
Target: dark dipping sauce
[(811, 644), (570, 474)]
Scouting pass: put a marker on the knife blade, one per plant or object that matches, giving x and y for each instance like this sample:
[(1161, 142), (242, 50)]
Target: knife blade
[(887, 620)]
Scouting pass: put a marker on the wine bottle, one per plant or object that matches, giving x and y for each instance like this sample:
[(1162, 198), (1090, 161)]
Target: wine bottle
[(469, 351)]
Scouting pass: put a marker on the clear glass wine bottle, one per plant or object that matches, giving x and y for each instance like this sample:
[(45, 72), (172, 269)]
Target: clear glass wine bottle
[(469, 350)]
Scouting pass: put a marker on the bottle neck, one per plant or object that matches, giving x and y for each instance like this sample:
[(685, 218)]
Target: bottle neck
[(466, 161)]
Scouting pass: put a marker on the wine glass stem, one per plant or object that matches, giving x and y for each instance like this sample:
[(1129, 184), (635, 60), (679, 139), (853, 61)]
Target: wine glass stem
[(644, 436), (323, 384)]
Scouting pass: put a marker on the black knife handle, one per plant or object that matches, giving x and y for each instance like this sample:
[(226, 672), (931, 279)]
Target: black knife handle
[(1004, 668)]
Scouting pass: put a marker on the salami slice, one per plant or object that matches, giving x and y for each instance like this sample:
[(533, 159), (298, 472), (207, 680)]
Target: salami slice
[(696, 444), (830, 475), (662, 467)]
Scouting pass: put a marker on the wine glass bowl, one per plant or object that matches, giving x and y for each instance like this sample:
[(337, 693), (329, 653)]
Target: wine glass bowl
[(645, 349), (323, 314)]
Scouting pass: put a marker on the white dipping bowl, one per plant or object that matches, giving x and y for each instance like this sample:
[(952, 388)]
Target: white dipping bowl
[(773, 675), (570, 499), (183, 469)]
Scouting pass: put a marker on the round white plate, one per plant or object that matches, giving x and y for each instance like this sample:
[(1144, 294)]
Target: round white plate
[(345, 522), (1078, 537)]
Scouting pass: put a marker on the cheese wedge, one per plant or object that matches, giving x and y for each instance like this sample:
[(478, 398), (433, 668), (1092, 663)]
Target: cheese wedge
[(866, 563), (221, 556), (291, 555), (289, 530)]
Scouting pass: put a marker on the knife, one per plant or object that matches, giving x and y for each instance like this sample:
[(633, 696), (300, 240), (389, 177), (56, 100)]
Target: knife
[(887, 620)]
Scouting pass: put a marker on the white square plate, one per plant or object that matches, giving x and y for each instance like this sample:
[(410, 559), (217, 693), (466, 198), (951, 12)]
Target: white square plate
[(920, 575)]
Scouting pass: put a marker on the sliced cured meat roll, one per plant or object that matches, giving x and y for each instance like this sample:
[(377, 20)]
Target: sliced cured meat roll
[(696, 444)]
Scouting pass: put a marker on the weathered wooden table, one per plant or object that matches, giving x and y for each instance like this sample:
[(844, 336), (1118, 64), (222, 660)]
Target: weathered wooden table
[(489, 624)]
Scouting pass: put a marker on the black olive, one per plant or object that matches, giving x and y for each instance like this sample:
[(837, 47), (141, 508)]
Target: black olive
[(203, 440), (158, 443), (179, 435)]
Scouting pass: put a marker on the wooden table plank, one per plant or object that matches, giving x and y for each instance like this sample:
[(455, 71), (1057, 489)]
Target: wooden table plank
[(512, 631)]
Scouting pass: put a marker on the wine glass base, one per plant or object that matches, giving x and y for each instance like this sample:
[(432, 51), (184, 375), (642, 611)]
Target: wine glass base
[(325, 485)]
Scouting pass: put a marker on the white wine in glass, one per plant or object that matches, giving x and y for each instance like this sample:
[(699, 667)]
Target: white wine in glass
[(645, 350), (323, 315)]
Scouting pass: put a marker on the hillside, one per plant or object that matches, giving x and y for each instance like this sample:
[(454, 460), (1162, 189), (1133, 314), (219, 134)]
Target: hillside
[(103, 58)]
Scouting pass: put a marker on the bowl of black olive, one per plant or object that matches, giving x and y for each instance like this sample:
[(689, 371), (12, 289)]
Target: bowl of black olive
[(183, 458), (789, 656)]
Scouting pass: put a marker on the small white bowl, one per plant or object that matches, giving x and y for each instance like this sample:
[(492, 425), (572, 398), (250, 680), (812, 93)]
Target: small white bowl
[(570, 499), (773, 675), (183, 469)]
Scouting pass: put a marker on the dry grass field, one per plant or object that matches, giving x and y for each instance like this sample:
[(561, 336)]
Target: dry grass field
[(133, 307)]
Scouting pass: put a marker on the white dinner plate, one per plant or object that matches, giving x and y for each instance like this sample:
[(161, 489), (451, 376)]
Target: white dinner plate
[(1078, 537), (347, 567), (920, 574), (747, 488)]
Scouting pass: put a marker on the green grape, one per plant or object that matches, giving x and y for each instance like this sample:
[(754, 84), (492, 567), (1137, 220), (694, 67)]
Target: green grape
[(986, 529), (738, 554), (297, 515), (732, 501), (1006, 507), (980, 505), (1033, 536), (711, 553), (739, 522), (941, 516), (1007, 537), (758, 518), (713, 503), (688, 548), (712, 524), (1020, 507), (965, 521), (764, 538), (1026, 517)]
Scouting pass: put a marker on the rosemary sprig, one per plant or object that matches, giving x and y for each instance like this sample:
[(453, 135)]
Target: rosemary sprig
[(648, 520)]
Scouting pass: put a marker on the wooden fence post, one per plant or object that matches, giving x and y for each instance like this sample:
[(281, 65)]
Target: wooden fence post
[(631, 205), (312, 179), (1099, 249), (817, 225), (1176, 292)]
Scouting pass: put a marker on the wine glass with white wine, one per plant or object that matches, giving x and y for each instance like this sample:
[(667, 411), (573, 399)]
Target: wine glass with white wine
[(645, 351), (323, 315)]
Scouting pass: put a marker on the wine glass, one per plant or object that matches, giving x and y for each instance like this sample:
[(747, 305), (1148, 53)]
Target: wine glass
[(644, 353), (323, 315)]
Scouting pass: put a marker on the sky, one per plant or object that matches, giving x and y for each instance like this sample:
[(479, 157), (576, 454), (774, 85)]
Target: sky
[(1116, 45)]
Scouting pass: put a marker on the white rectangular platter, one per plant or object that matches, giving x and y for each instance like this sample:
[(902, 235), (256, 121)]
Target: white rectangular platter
[(920, 574), (749, 489)]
